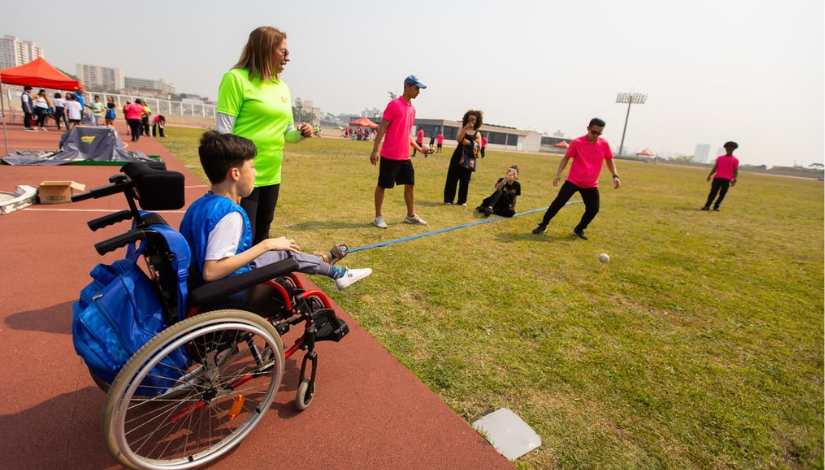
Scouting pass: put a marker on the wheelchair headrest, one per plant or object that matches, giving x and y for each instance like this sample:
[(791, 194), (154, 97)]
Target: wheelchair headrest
[(157, 188)]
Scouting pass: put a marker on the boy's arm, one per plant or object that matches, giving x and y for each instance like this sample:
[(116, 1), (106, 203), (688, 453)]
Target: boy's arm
[(377, 143), (515, 198), (712, 171), (735, 176), (219, 269)]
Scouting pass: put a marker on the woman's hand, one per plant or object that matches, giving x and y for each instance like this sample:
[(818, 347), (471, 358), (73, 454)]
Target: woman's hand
[(306, 130)]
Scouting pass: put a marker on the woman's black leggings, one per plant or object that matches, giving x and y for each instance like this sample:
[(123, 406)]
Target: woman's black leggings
[(41, 116), (260, 207), (134, 127)]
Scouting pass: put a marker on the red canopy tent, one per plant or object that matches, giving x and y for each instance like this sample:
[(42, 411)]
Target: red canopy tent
[(645, 153), (37, 73), (364, 122), (562, 145)]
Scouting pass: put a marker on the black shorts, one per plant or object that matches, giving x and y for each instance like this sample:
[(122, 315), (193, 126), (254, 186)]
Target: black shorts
[(439, 145), (392, 172)]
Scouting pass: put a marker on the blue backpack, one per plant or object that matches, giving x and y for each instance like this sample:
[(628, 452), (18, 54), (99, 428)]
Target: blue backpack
[(121, 310)]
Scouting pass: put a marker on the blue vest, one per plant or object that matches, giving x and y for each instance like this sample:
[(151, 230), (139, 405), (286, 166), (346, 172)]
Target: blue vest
[(201, 218)]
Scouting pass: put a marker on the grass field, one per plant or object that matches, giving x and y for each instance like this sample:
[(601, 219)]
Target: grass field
[(700, 345)]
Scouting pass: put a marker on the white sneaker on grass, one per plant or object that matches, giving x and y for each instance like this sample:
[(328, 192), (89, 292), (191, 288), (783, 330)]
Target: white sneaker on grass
[(352, 276), (415, 220), (379, 222)]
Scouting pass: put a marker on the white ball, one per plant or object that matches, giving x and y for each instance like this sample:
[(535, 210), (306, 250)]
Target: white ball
[(604, 258), (426, 148)]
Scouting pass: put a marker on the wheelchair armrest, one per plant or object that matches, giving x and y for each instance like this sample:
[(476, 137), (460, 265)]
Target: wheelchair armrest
[(227, 286)]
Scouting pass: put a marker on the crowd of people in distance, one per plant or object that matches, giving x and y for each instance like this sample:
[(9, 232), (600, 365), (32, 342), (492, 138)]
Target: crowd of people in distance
[(359, 134), (73, 111)]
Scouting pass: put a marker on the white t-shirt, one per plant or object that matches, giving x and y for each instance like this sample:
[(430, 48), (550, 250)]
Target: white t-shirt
[(59, 103), (74, 110), (224, 239), (41, 103)]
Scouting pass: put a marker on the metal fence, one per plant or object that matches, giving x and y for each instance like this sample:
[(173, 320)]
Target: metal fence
[(165, 107)]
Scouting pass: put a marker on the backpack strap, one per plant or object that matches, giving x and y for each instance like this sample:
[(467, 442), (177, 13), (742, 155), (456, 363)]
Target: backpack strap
[(180, 263)]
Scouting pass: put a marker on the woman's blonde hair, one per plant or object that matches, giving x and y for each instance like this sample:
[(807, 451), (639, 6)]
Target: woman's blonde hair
[(257, 55)]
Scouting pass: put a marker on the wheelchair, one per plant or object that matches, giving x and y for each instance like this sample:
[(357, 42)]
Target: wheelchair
[(231, 332)]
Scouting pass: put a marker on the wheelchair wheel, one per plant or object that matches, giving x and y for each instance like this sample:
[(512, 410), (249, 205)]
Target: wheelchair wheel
[(304, 395), (237, 367)]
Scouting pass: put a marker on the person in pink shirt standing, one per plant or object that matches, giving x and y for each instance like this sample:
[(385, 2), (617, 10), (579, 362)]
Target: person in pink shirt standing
[(133, 112), (483, 145), (419, 139), (440, 141), (727, 170), (396, 167), (588, 153)]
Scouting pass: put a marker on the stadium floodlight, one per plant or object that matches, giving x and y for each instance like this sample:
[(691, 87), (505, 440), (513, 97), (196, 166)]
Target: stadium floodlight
[(630, 99)]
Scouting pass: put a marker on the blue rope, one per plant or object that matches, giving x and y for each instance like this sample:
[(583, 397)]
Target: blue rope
[(393, 242)]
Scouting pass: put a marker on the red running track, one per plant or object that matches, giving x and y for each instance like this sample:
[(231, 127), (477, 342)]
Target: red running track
[(369, 412)]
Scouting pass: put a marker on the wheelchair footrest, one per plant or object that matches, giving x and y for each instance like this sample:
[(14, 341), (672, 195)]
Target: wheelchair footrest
[(330, 327)]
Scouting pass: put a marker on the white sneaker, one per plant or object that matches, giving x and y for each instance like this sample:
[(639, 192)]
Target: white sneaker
[(379, 222), (415, 220), (352, 276)]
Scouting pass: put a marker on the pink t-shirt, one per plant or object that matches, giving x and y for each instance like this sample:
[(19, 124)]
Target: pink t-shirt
[(420, 136), (588, 159), (725, 166), (440, 139), (133, 111), (400, 116), (483, 142)]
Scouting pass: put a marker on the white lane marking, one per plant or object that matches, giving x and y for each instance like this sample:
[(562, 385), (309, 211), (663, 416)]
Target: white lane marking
[(97, 210)]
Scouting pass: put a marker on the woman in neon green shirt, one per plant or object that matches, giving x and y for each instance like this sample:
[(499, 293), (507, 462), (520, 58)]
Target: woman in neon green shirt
[(254, 103)]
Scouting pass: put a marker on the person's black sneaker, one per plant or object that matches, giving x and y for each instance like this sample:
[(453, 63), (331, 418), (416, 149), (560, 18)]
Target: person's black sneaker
[(715, 209), (540, 229), (580, 234), (487, 211), (705, 208)]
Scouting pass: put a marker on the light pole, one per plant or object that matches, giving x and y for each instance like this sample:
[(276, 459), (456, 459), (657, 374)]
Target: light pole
[(629, 98)]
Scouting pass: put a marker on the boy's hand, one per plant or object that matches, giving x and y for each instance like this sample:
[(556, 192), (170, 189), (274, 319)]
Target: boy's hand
[(282, 244), (556, 180), (374, 157)]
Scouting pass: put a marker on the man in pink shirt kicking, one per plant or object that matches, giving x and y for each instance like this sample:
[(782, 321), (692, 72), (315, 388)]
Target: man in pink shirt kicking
[(396, 167), (727, 170), (588, 153)]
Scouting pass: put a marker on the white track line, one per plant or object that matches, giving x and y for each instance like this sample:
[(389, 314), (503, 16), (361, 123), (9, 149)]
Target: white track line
[(97, 210)]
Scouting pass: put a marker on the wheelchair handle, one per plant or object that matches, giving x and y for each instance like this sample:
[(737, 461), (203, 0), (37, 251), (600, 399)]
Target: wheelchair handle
[(103, 191), (109, 219), (114, 243)]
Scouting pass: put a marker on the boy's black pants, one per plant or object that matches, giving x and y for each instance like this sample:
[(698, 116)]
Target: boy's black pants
[(721, 186), (501, 204), (590, 196)]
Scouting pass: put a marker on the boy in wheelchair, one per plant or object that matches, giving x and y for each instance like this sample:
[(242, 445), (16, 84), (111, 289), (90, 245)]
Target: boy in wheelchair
[(218, 229)]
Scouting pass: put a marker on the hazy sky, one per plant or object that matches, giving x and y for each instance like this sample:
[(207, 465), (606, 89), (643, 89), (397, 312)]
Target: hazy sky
[(713, 70)]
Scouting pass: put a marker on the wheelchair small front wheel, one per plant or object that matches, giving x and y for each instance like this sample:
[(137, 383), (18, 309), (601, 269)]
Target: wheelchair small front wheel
[(304, 395), (236, 367)]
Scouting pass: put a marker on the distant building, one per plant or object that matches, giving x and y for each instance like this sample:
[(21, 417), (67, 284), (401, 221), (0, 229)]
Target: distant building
[(701, 153), (498, 137), (14, 52), (372, 113), (720, 151), (305, 111), (559, 134), (161, 86), (96, 77)]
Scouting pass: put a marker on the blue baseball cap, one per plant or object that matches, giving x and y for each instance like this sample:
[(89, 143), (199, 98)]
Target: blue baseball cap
[(413, 80)]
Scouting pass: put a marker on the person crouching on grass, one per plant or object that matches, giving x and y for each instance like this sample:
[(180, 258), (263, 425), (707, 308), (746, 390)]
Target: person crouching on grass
[(219, 232), (503, 200), (727, 170), (588, 152)]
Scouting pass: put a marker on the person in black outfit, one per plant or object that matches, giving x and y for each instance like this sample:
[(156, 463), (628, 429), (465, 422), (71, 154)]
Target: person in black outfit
[(503, 200), (463, 161)]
